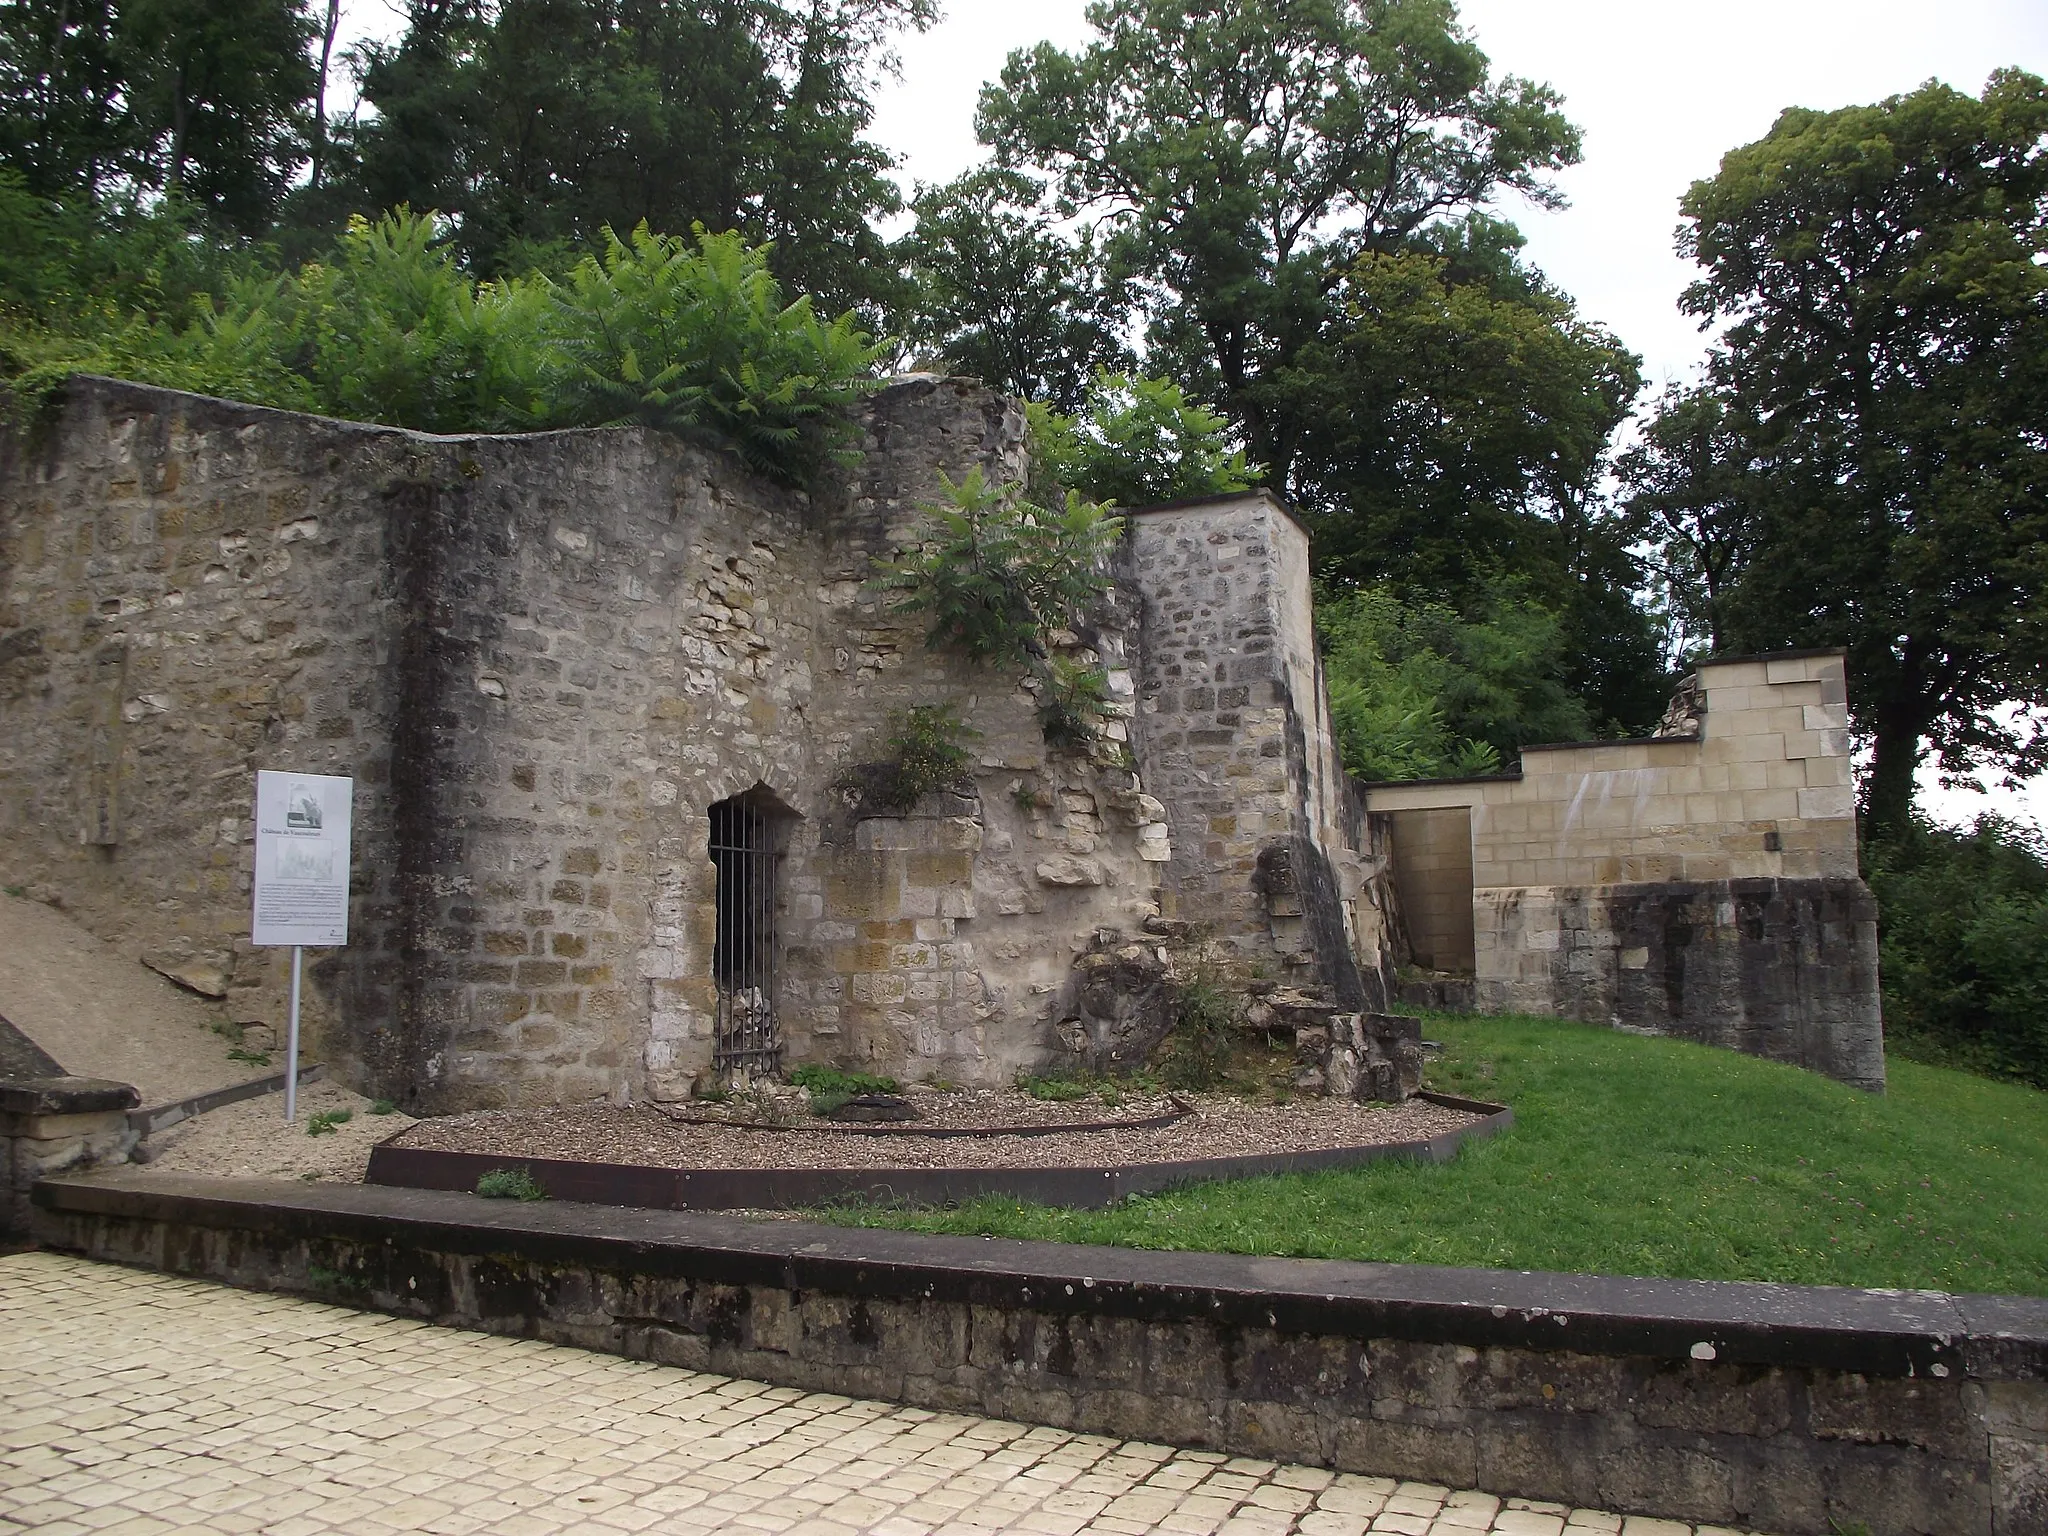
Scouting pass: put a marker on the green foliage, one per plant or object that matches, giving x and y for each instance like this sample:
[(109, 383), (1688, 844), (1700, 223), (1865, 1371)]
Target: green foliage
[(198, 101), (1000, 574), (243, 1054), (1453, 395), (384, 1107), (927, 752), (692, 336), (1640, 1156), (392, 329), (1073, 697), (510, 1184), (1880, 275), (324, 1122), (1231, 209), (689, 336), (1003, 296), (322, 1278), (1289, 195), (1135, 442), (547, 121), (1197, 1054), (1964, 945), (828, 1088), (1454, 419), (1056, 1090), (1417, 692), (1690, 487), (1000, 577)]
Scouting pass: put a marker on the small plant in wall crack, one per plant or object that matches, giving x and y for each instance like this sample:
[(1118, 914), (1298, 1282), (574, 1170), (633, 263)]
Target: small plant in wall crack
[(510, 1184), (928, 750), (1072, 699), (1000, 576)]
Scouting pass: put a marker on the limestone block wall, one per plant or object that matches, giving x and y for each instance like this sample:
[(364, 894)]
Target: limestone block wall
[(542, 658), (1702, 882), (1432, 852), (1271, 847)]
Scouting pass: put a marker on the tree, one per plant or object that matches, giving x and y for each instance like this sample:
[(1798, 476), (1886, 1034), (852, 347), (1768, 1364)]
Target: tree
[(1882, 272), (1241, 156), (217, 91), (537, 123), (1965, 971), (1134, 443), (1292, 190), (60, 96), (202, 100), (1690, 488), (1446, 401), (1453, 421), (1004, 296), (1417, 691)]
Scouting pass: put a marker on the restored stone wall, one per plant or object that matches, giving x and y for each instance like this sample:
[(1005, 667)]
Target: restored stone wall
[(1793, 1409), (1432, 853), (1758, 786), (1703, 882), (1271, 846), (542, 658)]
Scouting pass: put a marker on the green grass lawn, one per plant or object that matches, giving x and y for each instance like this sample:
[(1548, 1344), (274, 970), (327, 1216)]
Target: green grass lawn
[(1641, 1157)]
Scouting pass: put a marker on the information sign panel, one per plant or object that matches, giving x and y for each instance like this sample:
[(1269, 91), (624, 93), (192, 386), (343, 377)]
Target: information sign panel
[(302, 848)]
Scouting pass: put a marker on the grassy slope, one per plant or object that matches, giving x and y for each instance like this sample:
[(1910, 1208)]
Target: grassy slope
[(1644, 1157)]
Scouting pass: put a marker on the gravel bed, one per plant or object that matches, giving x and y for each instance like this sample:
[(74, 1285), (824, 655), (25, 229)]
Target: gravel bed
[(250, 1140), (938, 1109), (651, 1138)]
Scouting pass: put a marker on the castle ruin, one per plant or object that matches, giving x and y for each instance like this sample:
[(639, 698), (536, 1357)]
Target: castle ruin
[(601, 693)]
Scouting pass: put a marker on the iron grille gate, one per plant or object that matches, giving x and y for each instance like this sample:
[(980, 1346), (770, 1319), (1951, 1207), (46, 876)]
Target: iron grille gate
[(743, 955)]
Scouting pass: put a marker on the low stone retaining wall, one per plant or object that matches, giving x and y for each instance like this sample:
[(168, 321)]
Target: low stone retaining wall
[(55, 1125), (1778, 1407)]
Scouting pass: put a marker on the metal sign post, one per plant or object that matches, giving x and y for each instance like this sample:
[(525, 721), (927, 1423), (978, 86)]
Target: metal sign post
[(303, 823), (291, 1046)]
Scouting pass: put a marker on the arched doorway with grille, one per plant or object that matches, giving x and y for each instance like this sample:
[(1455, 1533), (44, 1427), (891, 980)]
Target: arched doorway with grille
[(748, 835)]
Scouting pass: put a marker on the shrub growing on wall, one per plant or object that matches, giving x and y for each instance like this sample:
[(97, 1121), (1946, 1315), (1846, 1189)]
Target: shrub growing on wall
[(999, 577), (692, 336), (689, 335)]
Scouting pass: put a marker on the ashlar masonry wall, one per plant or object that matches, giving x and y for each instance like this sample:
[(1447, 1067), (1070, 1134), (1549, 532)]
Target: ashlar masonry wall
[(1702, 882), (1271, 846)]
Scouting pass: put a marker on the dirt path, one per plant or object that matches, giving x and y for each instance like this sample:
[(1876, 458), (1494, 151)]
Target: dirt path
[(103, 1015)]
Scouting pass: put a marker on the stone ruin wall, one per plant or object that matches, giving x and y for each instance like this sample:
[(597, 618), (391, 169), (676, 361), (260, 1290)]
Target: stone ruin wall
[(543, 658), (1700, 883), (1271, 846)]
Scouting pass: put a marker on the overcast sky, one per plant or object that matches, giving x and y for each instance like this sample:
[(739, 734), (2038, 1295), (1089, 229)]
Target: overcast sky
[(1661, 90)]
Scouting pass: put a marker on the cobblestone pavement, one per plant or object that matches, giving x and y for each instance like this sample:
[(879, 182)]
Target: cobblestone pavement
[(133, 1402)]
